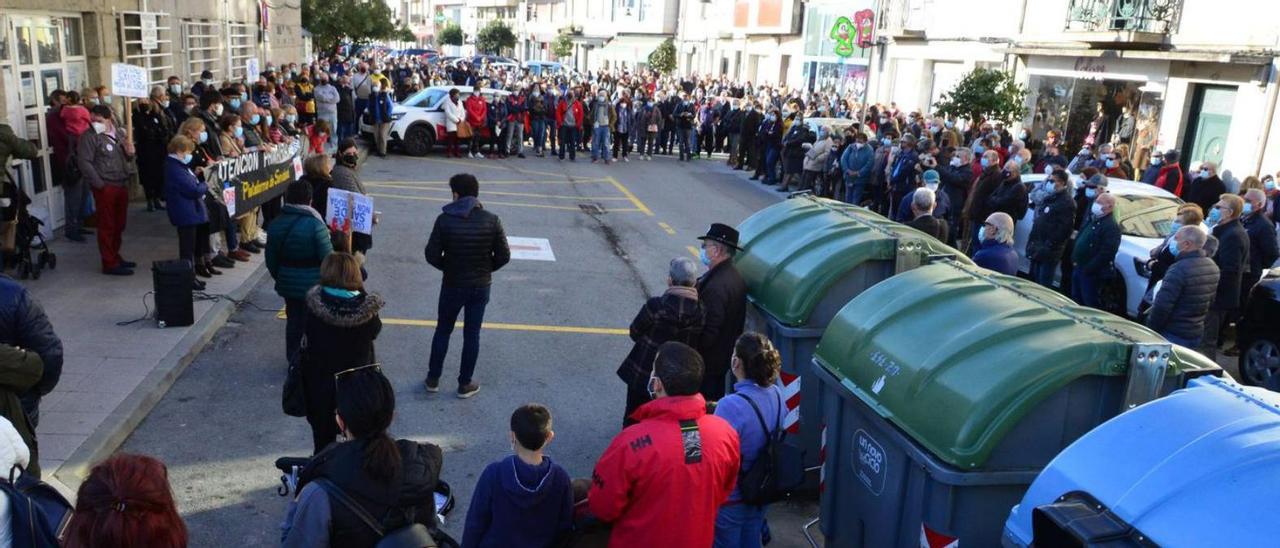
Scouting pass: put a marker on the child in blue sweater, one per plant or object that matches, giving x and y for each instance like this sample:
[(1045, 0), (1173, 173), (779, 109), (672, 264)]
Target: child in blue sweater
[(524, 500)]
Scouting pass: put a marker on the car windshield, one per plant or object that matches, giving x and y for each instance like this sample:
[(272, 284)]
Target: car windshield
[(1146, 216), (427, 98)]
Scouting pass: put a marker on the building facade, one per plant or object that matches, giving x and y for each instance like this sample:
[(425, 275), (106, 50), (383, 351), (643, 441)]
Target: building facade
[(758, 41), (72, 44)]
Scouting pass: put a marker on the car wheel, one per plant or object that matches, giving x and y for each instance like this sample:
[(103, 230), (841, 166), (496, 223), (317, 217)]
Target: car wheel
[(1259, 362), (418, 141), (1113, 297)]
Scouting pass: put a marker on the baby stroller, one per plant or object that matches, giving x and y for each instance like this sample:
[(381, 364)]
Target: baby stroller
[(31, 252)]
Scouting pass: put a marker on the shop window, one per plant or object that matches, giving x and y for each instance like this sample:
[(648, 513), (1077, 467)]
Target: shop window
[(1094, 112)]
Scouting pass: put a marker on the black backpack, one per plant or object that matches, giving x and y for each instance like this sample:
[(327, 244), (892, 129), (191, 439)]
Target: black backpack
[(39, 513), (778, 469)]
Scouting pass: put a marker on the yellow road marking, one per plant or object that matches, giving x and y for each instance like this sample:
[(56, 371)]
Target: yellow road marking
[(667, 228), (497, 166), (694, 251), (512, 204), (634, 200), (503, 193), (518, 327), (484, 182)]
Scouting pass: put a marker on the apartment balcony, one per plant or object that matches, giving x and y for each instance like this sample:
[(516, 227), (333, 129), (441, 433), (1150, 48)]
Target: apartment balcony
[(902, 19), (1114, 23)]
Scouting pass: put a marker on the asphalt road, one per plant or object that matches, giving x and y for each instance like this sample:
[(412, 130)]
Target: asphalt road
[(612, 230)]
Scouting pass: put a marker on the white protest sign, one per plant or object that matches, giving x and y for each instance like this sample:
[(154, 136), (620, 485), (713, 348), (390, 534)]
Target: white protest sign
[(229, 197), (150, 35), (530, 249), (128, 80), (251, 71), (344, 205)]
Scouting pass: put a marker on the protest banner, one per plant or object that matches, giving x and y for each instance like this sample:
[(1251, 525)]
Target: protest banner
[(343, 205), (256, 176)]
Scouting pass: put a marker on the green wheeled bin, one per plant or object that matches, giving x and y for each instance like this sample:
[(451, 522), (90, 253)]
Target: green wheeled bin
[(948, 388), (803, 259)]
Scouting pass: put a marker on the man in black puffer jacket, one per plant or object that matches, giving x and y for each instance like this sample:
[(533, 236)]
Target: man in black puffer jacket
[(468, 244), (23, 324), (1187, 290)]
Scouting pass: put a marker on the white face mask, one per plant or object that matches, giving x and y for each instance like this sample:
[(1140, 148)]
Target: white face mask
[(955, 162), (100, 127), (217, 109)]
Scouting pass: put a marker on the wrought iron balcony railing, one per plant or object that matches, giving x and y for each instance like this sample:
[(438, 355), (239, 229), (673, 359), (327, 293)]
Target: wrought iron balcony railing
[(1155, 16)]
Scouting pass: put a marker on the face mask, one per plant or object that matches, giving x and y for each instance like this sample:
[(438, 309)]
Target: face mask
[(979, 149), (986, 163), (208, 83), (175, 88), (1175, 227), (949, 124), (1173, 248), (885, 141), (931, 186), (186, 158), (702, 255), (1248, 208), (1269, 184), (255, 119), (94, 101), (204, 136), (1215, 215), (1017, 159), (884, 120), (291, 118), (188, 108), (164, 104), (217, 109), (244, 96), (1111, 163), (1096, 209), (1204, 174), (239, 131), (350, 159), (99, 127), (955, 162), (895, 149), (376, 89), (235, 103), (935, 129), (270, 120), (106, 99), (1048, 169), (1090, 193)]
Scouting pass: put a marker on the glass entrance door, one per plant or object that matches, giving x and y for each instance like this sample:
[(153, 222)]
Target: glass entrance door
[(45, 53)]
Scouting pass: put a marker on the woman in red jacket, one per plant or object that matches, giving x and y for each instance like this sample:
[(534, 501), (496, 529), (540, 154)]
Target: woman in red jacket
[(476, 112), (569, 113)]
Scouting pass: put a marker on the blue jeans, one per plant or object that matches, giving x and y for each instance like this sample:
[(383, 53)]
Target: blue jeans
[(1084, 289), (739, 526), (853, 190), (539, 129), (452, 301), (771, 166), (1193, 344), (600, 143), (1042, 272), (686, 138)]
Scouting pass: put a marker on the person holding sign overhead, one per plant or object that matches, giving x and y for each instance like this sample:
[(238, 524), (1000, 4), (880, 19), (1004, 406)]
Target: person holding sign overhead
[(105, 157)]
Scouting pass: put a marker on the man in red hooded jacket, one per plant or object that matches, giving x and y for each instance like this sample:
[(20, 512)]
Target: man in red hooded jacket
[(1170, 177), (476, 110), (662, 480)]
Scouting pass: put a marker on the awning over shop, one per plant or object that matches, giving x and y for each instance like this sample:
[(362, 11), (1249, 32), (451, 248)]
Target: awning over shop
[(590, 41), (1204, 56), (633, 46)]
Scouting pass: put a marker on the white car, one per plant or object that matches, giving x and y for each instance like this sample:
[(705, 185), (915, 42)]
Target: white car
[(417, 123), (1146, 216)]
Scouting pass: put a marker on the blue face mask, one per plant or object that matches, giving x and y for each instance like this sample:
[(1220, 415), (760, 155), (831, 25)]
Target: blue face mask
[(1214, 216), (270, 120), (1175, 227), (239, 131), (1269, 184), (204, 136), (1111, 163), (1090, 193), (702, 255), (255, 119), (979, 149), (186, 158), (291, 118), (985, 162), (886, 141), (235, 103), (1173, 248), (1248, 208), (244, 96)]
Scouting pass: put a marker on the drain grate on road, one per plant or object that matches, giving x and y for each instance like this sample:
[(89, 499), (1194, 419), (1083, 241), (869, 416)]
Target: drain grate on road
[(592, 208)]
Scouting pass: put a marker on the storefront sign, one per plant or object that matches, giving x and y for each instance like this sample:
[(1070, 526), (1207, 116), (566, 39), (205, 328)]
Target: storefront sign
[(257, 176), (1090, 66)]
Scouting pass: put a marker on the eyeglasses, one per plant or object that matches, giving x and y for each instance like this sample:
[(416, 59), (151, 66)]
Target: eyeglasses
[(376, 366)]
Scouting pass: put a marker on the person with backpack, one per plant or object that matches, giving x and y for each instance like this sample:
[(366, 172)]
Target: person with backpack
[(525, 499), (371, 474), (755, 411), (125, 501)]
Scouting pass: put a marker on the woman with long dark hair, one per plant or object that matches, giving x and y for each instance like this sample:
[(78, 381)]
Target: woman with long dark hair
[(391, 479), (342, 322), (126, 501)]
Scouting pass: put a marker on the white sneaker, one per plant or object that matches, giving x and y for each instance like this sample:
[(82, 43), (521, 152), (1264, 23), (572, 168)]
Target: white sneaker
[(626, 159), (479, 156), (471, 155)]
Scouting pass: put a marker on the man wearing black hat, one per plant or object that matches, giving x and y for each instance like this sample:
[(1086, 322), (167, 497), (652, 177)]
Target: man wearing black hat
[(724, 301)]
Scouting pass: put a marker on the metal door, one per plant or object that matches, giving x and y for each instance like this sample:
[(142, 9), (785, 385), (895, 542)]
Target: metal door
[(1210, 121)]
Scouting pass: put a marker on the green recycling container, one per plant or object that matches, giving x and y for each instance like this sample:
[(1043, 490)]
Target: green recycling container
[(948, 388), (802, 260)]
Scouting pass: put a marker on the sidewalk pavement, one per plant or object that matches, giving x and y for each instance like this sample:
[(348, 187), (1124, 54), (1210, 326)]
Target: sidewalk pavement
[(114, 375)]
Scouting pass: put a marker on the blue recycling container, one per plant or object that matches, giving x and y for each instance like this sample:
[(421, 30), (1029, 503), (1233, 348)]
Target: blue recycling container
[(1199, 467)]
